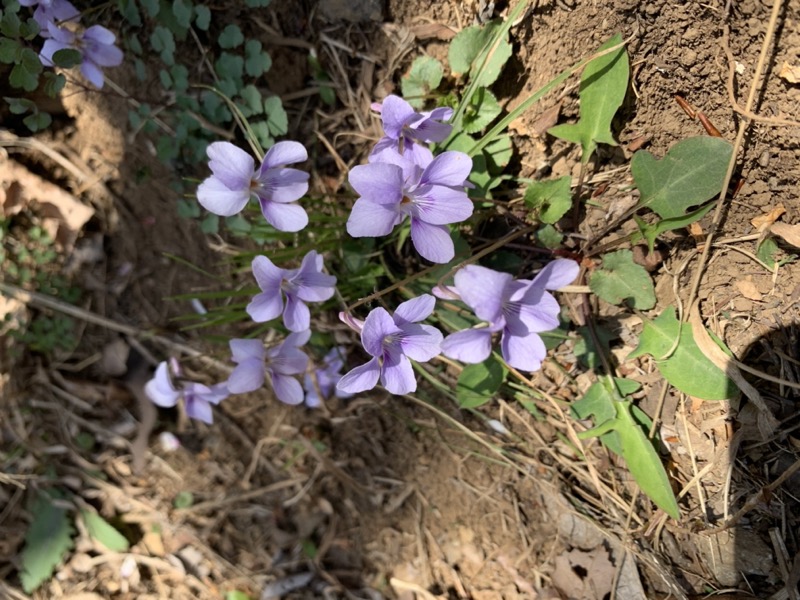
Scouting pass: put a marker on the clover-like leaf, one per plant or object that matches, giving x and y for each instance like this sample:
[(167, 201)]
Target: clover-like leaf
[(424, 76), (202, 17), (550, 199), (603, 85), (683, 364), (182, 10), (38, 121), (691, 173), (277, 119), (163, 42), (256, 61), (231, 37)]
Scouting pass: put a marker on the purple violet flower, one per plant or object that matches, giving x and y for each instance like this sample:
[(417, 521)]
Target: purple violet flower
[(405, 130), (197, 397), (432, 197), (96, 45), (391, 341), (519, 308), (51, 11), (281, 363), (235, 180), (322, 384), (305, 284)]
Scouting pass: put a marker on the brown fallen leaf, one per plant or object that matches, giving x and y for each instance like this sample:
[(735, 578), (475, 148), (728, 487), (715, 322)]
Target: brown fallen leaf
[(748, 289), (788, 233), (761, 222), (427, 31), (790, 73)]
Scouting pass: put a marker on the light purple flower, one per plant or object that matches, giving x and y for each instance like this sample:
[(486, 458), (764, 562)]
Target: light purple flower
[(281, 363), (392, 341), (519, 308), (325, 378), (432, 197), (305, 284), (235, 180), (96, 45), (51, 11), (197, 398), (406, 130)]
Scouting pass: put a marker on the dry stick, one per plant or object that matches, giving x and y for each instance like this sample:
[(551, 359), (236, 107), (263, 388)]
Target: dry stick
[(43, 301)]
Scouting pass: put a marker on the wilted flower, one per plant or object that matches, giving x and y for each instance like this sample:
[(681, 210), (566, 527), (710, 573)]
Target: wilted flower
[(392, 341), (432, 197), (281, 363), (197, 398), (96, 45), (234, 181), (519, 308), (324, 379), (407, 129), (305, 284)]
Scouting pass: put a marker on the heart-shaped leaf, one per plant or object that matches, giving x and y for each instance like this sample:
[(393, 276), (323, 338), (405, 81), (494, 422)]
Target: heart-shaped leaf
[(620, 279), (603, 85), (424, 76), (686, 368), (691, 173)]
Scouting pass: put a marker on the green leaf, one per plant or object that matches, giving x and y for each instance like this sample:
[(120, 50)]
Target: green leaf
[(128, 9), (8, 50), (549, 237), (19, 106), (53, 83), (498, 154), (9, 25), (585, 350), (256, 62), (477, 384), (202, 17), (236, 594), (424, 76), (38, 121), (277, 120), (152, 7), (183, 500), (257, 3), (47, 542), (481, 110), (468, 52), (163, 42), (550, 199), (620, 279), (230, 67), (67, 58), (650, 231), (102, 531), (231, 37), (182, 10), (22, 78), (603, 85), (598, 403), (691, 173), (687, 368), (253, 100)]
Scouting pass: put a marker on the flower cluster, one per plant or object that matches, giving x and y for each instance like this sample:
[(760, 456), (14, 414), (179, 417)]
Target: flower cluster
[(401, 179), (58, 22)]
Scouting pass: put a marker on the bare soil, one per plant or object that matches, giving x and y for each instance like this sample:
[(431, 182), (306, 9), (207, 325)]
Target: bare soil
[(382, 497)]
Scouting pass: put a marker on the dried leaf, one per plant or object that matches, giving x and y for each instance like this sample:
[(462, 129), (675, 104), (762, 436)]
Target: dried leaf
[(763, 221), (789, 233), (790, 73), (748, 289)]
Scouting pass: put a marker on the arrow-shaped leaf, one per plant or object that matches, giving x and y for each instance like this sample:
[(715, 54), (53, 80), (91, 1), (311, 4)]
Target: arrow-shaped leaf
[(603, 85)]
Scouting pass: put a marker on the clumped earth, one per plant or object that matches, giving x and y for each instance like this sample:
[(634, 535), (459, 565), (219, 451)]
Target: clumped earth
[(382, 497)]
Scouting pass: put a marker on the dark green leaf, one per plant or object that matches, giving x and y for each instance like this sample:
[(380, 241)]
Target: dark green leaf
[(130, 12), (163, 42), (21, 78), (152, 7), (9, 25), (8, 50), (202, 17), (277, 120), (67, 58), (182, 10), (19, 106), (37, 121), (256, 62), (231, 37), (230, 67)]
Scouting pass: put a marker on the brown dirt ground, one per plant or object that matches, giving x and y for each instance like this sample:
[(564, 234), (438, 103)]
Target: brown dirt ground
[(387, 497)]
